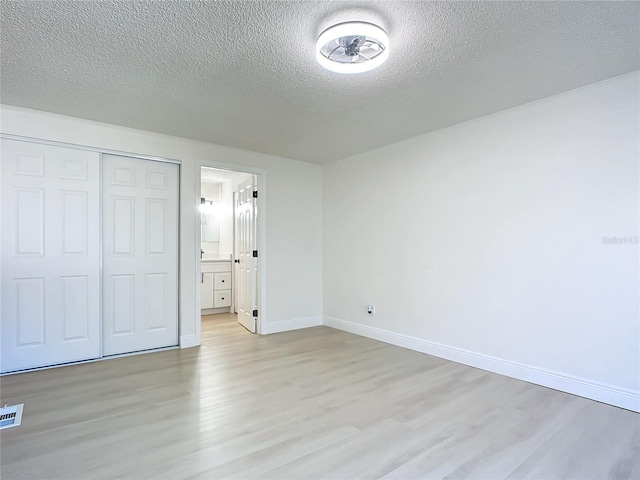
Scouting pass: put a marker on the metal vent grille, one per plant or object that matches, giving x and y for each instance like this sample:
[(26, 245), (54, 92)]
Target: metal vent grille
[(11, 416)]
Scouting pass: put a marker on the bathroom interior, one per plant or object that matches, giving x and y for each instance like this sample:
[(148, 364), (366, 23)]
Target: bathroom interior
[(219, 291)]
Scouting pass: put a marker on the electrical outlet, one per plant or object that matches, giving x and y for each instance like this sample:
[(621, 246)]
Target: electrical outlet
[(371, 309)]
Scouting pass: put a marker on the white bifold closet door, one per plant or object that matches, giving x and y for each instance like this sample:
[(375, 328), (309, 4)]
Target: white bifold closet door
[(50, 254), (140, 254)]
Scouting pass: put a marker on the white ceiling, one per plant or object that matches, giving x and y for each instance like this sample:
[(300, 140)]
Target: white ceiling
[(244, 74)]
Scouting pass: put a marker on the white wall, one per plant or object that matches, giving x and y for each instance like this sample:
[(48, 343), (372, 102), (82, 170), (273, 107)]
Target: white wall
[(293, 197), (488, 237)]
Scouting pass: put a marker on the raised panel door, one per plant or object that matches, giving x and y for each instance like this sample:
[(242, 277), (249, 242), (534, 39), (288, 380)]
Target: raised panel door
[(50, 253), (140, 254)]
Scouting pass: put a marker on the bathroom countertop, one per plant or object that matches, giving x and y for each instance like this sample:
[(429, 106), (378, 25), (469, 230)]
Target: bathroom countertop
[(210, 259)]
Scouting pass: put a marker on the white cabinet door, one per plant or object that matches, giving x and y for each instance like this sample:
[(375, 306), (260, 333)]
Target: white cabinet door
[(206, 290), (50, 280), (222, 281), (245, 228), (140, 254), (222, 298)]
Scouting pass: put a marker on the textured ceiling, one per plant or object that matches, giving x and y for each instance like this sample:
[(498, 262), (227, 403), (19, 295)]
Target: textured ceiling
[(244, 74)]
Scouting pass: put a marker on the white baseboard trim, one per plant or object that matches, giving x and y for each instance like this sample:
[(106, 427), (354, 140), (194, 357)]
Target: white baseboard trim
[(187, 341), (612, 395), (294, 324)]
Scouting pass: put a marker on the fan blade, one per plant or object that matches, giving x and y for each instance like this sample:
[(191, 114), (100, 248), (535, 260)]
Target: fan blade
[(332, 52)]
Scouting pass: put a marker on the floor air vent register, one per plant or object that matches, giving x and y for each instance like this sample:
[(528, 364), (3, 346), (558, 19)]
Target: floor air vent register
[(11, 416)]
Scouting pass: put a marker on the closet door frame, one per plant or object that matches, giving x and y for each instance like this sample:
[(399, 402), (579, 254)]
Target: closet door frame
[(106, 151)]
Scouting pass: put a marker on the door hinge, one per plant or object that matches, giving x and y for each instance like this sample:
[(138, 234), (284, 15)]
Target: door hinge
[(255, 194), (255, 313), (255, 253)]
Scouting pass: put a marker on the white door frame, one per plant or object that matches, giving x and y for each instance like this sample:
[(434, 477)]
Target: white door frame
[(234, 266), (261, 175)]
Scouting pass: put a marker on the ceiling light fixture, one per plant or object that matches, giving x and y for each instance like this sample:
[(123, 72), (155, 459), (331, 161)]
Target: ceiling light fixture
[(352, 47), (206, 206)]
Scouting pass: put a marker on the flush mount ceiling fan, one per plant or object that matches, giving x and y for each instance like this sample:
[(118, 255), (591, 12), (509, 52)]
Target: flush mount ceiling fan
[(352, 47)]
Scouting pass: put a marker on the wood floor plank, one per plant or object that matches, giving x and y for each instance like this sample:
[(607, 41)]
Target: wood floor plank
[(312, 403)]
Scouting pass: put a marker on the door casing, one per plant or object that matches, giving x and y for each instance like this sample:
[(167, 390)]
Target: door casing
[(261, 176)]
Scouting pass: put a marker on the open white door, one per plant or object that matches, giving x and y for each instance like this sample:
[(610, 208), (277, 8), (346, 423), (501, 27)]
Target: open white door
[(50, 280), (140, 254), (246, 251)]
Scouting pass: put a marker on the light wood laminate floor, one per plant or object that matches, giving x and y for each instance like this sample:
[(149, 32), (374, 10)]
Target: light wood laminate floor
[(314, 403)]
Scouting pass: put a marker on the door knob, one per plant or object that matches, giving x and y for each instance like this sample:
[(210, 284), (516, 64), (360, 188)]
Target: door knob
[(237, 260)]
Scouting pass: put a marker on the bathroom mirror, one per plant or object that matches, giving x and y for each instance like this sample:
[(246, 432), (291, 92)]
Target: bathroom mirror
[(210, 228), (209, 222)]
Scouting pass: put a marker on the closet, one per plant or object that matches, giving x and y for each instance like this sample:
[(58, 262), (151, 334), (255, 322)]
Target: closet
[(88, 255)]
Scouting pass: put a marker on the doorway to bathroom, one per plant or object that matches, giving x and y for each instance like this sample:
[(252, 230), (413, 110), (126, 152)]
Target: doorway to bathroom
[(229, 253)]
